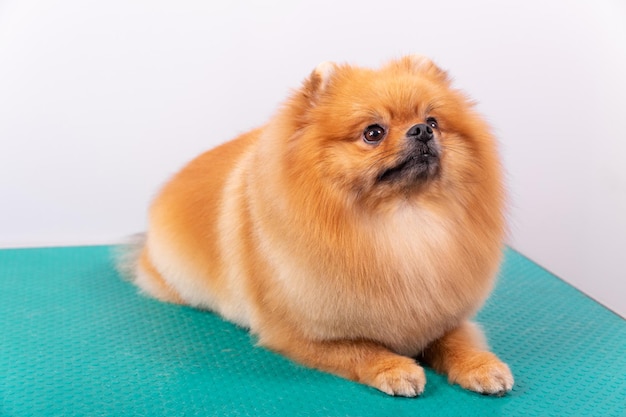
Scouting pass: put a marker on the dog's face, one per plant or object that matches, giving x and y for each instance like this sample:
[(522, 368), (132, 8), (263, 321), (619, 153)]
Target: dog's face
[(393, 133)]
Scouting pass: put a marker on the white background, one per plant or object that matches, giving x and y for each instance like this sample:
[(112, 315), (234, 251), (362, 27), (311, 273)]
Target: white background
[(101, 101)]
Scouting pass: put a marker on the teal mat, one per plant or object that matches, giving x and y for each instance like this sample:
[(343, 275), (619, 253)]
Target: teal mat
[(75, 340)]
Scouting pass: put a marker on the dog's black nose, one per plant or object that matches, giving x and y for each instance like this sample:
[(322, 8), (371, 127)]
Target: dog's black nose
[(421, 132)]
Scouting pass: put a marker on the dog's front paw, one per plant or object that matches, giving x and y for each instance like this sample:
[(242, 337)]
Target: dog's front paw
[(484, 373), (402, 377)]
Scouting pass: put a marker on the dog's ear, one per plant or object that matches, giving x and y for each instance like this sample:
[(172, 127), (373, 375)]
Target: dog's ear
[(421, 64), (319, 80), (307, 97)]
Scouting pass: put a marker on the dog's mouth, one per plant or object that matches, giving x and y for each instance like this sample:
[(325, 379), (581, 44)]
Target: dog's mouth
[(422, 164)]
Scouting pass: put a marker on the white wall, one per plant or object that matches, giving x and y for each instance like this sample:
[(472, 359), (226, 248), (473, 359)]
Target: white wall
[(100, 101)]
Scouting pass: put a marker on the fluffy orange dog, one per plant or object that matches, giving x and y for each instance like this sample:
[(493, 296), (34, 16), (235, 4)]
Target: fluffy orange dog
[(358, 229)]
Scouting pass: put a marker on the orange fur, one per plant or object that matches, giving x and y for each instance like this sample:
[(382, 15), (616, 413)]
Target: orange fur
[(291, 231)]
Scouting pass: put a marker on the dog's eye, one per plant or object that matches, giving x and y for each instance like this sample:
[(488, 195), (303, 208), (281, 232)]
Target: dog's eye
[(373, 134), (432, 122)]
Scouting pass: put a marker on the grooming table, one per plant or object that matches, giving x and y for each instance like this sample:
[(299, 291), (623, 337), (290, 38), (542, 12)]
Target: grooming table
[(77, 340)]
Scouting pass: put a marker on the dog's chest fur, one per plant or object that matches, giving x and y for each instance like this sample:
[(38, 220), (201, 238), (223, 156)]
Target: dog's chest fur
[(403, 287)]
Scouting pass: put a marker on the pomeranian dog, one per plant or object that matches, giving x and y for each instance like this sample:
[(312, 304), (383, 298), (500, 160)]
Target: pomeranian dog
[(357, 232)]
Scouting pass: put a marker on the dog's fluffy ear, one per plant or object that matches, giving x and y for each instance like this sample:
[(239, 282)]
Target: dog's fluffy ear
[(423, 65), (319, 80), (307, 97)]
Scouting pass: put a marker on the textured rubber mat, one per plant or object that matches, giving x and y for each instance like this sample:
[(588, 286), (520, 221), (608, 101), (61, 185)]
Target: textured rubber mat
[(76, 340)]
